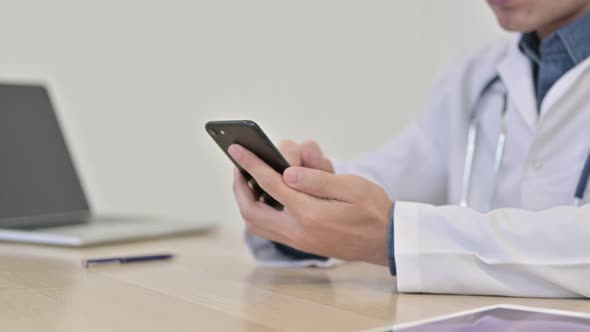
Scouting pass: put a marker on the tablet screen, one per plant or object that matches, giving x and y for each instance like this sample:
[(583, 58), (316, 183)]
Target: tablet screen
[(503, 319)]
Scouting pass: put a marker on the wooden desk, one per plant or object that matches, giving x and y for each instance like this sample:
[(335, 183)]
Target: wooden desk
[(213, 285)]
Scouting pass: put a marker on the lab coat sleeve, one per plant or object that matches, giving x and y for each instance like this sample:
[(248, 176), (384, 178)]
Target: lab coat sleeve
[(512, 252)]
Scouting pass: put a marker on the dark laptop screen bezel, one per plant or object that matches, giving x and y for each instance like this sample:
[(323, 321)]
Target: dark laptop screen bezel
[(39, 183)]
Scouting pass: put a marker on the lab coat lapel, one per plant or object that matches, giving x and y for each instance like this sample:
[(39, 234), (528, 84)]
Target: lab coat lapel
[(516, 74), (563, 86)]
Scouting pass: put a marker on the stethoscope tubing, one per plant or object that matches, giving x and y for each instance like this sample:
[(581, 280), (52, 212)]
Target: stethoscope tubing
[(471, 146)]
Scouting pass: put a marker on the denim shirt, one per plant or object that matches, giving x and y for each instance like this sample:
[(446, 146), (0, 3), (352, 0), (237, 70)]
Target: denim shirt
[(555, 55)]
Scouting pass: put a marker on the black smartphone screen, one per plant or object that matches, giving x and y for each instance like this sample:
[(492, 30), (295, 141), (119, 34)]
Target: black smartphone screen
[(249, 135)]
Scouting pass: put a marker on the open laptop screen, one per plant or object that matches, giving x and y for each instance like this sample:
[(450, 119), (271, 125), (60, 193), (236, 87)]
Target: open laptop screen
[(37, 176)]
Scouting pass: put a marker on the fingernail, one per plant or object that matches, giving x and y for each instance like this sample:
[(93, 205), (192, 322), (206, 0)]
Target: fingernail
[(235, 151), (291, 175)]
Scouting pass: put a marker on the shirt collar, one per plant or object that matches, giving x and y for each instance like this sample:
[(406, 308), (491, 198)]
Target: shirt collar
[(573, 40)]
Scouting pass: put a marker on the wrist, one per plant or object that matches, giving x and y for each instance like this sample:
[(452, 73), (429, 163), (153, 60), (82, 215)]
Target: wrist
[(379, 254)]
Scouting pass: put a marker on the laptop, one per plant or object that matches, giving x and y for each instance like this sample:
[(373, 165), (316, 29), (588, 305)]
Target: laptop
[(41, 198)]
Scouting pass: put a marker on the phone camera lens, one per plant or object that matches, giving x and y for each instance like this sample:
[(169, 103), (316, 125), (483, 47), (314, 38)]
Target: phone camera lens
[(212, 132)]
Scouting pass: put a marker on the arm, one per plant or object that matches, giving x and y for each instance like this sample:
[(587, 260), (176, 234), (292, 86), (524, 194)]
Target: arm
[(445, 249), (509, 252), (416, 155)]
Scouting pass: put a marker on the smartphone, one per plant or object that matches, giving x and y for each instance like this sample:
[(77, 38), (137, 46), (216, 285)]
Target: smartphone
[(249, 135)]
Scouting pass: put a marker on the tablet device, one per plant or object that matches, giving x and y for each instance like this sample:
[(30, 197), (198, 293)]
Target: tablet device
[(501, 318)]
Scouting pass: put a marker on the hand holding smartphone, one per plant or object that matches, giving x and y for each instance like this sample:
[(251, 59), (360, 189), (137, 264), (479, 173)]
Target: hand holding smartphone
[(249, 135)]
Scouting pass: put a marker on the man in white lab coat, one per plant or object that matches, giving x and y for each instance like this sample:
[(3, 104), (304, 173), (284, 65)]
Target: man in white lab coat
[(448, 213)]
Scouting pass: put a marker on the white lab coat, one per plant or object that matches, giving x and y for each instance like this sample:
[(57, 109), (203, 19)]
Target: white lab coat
[(530, 241)]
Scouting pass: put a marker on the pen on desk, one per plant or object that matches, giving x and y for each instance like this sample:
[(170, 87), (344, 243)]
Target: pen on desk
[(126, 259)]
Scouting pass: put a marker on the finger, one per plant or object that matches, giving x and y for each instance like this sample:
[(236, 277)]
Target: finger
[(290, 150), (312, 157), (242, 188), (323, 184), (244, 194), (261, 219), (266, 177)]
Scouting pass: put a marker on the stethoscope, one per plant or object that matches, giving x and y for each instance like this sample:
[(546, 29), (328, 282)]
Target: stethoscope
[(500, 145)]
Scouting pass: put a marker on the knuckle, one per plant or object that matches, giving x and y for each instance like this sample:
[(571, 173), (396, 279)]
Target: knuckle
[(286, 144), (310, 142), (291, 151), (265, 182), (311, 145), (245, 162)]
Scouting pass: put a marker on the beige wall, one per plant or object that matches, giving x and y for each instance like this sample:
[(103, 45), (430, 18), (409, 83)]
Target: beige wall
[(135, 81)]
